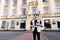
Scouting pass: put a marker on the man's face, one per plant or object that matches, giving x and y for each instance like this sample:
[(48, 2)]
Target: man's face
[(35, 17)]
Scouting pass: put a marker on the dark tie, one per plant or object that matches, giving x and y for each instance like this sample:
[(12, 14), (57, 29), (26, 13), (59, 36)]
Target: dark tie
[(35, 22)]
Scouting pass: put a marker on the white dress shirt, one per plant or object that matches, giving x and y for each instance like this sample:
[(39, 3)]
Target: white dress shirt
[(38, 28)]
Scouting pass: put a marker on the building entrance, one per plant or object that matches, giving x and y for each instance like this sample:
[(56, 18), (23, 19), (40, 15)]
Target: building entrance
[(47, 23), (58, 23), (23, 24)]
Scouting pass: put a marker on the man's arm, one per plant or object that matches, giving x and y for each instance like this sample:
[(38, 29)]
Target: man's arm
[(40, 22), (31, 24)]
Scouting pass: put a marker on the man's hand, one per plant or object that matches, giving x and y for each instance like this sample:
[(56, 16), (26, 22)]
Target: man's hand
[(37, 24)]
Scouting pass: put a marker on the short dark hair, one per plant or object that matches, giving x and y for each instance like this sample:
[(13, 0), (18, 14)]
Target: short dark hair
[(36, 14)]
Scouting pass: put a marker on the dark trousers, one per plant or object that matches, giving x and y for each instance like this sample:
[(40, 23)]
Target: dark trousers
[(36, 33)]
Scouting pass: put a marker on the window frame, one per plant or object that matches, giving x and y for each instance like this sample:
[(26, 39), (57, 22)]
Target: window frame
[(46, 10), (12, 24), (5, 12), (23, 11), (58, 8), (34, 10), (14, 12), (14, 2), (6, 2), (24, 1)]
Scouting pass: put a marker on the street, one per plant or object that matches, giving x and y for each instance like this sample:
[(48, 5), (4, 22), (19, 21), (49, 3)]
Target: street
[(52, 35), (27, 35), (6, 35)]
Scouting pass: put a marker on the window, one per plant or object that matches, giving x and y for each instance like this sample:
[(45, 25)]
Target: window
[(14, 12), (46, 10), (34, 10), (12, 24), (24, 1), (6, 2), (45, 0), (58, 8), (3, 24), (23, 11), (5, 13), (14, 2)]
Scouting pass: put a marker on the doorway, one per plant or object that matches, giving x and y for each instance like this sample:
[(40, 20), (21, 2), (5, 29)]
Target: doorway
[(58, 24), (47, 23), (22, 24)]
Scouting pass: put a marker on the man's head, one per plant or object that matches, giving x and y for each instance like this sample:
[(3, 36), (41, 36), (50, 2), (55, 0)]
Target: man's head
[(36, 16)]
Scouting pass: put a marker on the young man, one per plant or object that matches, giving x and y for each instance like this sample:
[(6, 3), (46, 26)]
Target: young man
[(36, 27)]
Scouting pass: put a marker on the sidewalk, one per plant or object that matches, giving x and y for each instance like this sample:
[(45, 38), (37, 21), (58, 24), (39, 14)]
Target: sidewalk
[(28, 36)]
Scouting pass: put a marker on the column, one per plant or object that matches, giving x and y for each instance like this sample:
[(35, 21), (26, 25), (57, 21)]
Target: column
[(40, 6), (1, 10), (54, 26), (0, 23), (28, 23), (30, 10), (10, 8), (2, 7), (8, 25), (52, 7), (17, 27), (19, 6), (28, 7), (42, 19)]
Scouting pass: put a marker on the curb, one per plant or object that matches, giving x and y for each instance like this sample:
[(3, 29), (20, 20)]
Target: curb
[(51, 30)]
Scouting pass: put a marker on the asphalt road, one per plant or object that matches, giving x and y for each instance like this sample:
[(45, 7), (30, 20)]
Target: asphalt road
[(6, 35), (52, 35)]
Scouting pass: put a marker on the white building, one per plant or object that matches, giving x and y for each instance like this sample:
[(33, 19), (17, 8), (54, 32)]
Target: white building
[(17, 14)]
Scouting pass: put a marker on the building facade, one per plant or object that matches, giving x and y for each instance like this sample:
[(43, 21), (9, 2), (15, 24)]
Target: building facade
[(17, 14)]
